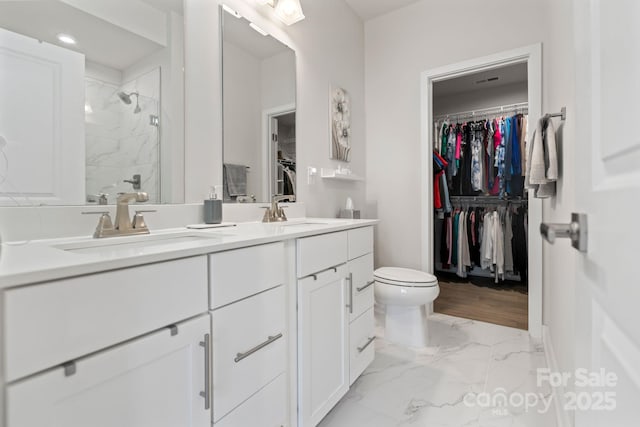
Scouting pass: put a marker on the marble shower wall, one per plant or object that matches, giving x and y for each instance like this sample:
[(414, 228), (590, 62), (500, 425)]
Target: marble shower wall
[(119, 142)]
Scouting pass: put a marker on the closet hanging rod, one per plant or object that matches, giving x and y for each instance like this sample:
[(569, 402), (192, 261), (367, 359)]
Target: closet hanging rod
[(562, 114), (485, 111), (486, 199)]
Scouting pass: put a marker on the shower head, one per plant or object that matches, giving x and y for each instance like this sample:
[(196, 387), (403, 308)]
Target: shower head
[(126, 98)]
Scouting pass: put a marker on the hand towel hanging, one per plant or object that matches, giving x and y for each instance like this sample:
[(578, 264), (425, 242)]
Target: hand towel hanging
[(542, 160)]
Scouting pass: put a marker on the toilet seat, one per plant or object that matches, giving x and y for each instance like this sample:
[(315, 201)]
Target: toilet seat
[(397, 276)]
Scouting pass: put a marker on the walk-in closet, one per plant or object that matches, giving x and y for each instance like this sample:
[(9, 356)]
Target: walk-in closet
[(480, 125)]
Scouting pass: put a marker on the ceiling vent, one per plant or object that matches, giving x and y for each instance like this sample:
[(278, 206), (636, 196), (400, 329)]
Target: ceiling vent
[(490, 79)]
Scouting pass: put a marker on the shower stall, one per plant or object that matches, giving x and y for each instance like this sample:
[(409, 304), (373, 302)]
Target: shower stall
[(122, 132)]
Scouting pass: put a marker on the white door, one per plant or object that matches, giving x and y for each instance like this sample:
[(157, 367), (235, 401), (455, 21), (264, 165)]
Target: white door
[(323, 355), (42, 122), (608, 190), (152, 381)]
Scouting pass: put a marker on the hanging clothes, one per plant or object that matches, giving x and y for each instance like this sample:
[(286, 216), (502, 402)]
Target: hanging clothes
[(454, 238), (542, 160), (520, 252), (480, 158), (477, 154), (508, 247)]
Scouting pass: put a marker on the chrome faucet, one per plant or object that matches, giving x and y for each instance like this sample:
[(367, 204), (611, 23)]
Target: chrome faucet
[(275, 213), (124, 225)]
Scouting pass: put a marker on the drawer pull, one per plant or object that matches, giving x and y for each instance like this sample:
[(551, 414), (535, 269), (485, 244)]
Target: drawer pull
[(369, 341), (240, 356), (315, 275), (350, 305), (365, 286), (207, 360), (69, 368)]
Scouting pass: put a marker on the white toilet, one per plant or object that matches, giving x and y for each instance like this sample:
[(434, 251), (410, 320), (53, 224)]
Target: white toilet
[(405, 293)]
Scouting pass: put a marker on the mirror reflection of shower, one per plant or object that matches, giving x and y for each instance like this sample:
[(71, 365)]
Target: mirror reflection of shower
[(120, 144), (126, 98)]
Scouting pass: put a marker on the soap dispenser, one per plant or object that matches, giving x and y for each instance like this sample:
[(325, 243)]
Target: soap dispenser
[(213, 208)]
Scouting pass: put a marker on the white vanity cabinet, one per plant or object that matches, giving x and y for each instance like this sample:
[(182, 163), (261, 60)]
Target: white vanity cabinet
[(249, 336), (335, 318), (323, 360), (155, 381), (361, 320), (127, 347)]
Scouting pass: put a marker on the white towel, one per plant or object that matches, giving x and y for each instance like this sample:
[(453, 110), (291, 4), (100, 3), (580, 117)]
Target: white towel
[(542, 160)]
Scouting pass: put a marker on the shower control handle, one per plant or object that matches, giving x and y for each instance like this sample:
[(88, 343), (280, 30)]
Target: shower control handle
[(135, 181)]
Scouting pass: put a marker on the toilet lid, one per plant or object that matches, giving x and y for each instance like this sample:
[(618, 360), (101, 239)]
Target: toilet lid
[(404, 277)]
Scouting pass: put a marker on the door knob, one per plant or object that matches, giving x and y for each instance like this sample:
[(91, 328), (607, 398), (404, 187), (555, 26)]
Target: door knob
[(576, 230)]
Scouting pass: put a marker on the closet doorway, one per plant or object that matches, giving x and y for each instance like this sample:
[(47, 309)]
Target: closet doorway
[(279, 153), (476, 216)]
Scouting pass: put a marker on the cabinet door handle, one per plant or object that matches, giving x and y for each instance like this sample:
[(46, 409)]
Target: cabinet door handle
[(315, 275), (350, 305), (369, 341), (240, 356), (365, 286), (207, 384)]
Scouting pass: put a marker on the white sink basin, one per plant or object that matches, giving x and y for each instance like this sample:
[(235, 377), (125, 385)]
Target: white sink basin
[(136, 245)]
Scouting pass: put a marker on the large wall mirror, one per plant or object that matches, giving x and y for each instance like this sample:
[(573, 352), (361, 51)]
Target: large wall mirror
[(92, 101), (259, 113)]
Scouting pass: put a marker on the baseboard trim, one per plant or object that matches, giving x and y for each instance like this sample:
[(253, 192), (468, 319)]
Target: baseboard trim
[(562, 417)]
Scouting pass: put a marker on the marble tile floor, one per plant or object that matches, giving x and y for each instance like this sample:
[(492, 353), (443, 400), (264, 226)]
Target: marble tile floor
[(457, 381)]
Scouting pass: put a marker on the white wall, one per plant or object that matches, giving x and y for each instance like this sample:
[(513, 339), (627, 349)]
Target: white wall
[(402, 44), (203, 108), (278, 80), (482, 98), (559, 259)]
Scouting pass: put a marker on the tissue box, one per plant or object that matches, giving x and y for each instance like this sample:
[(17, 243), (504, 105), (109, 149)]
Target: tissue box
[(349, 213)]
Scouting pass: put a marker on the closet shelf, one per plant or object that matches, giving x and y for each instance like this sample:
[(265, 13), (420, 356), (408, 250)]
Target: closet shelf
[(339, 175)]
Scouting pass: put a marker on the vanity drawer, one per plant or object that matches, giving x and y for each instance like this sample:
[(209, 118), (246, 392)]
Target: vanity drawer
[(268, 407), (361, 344), (52, 323), (244, 272), (360, 241), (318, 253), (361, 273), (249, 348)]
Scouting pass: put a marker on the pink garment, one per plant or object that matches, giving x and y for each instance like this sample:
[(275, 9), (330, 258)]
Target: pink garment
[(458, 145), (497, 136)]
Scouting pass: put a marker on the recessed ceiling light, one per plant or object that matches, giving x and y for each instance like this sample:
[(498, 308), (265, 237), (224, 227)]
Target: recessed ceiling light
[(66, 38)]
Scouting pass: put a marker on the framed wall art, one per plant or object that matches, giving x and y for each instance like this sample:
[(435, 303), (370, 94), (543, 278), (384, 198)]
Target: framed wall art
[(340, 116)]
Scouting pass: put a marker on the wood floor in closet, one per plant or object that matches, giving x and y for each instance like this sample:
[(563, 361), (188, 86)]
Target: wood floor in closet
[(480, 299)]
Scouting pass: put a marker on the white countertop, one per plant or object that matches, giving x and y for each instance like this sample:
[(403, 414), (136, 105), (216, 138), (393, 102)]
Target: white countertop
[(37, 261)]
